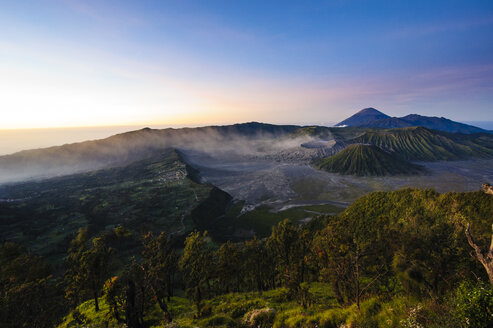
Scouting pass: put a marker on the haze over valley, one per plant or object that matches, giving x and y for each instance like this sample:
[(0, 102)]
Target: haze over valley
[(275, 165)]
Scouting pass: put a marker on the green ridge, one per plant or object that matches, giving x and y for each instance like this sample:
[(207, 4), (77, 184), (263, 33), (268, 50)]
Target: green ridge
[(153, 194), (421, 144), (367, 160)]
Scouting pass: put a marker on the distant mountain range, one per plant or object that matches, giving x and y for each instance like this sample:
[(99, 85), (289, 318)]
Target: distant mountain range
[(389, 151), (372, 118), (422, 144), (254, 141)]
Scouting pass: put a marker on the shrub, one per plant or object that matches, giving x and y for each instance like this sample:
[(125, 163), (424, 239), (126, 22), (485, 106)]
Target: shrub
[(474, 305), (260, 317), (238, 309), (334, 318), (80, 318), (218, 320), (206, 310)]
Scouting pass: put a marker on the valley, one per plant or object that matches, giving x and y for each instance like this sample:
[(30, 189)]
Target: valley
[(235, 181), (278, 184)]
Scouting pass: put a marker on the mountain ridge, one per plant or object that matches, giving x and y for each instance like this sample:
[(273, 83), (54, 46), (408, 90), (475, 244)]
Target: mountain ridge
[(367, 160), (252, 141), (364, 116), (372, 118), (423, 144)]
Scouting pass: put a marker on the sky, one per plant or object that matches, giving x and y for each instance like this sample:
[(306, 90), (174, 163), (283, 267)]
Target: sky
[(74, 63)]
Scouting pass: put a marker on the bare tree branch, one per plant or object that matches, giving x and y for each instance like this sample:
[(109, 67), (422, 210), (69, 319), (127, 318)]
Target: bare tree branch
[(477, 249), (487, 188)]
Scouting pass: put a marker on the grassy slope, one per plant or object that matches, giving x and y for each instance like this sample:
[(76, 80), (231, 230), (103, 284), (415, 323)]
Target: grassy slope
[(230, 310), (421, 144), (233, 310), (151, 194), (365, 160)]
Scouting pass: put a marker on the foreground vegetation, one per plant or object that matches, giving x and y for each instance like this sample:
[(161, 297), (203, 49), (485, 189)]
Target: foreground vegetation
[(273, 309), (392, 259)]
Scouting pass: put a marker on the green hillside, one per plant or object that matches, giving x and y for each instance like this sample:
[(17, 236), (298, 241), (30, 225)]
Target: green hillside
[(421, 144), (391, 259), (367, 160), (153, 194)]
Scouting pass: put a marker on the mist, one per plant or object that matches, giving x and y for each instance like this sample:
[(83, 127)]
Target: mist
[(15, 140), (257, 163), (237, 141)]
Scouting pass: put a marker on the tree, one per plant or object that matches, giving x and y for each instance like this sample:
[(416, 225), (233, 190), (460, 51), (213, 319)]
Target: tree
[(228, 267), (258, 265), (335, 266), (427, 257), (196, 265), (160, 264), (129, 296), (289, 248), (485, 257), (474, 304), (354, 248), (88, 267), (29, 295)]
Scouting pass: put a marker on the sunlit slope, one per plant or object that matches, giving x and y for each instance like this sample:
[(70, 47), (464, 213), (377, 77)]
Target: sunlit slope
[(153, 194), (367, 160), (421, 144)]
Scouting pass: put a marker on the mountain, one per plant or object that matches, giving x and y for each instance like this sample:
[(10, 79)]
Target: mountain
[(125, 148), (372, 118), (363, 117), (367, 160), (422, 144), (248, 141), (387, 123), (441, 124), (154, 194)]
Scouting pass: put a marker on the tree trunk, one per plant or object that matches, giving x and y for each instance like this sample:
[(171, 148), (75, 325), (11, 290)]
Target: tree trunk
[(170, 286), (164, 308), (198, 300), (95, 295), (337, 291), (485, 257), (357, 278), (131, 310)]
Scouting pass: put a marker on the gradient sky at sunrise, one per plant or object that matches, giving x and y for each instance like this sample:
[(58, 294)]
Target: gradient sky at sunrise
[(93, 63)]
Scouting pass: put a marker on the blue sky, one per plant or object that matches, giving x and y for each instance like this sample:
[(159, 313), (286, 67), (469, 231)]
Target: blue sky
[(88, 63)]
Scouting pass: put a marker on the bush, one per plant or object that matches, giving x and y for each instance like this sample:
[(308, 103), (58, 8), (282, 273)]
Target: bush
[(218, 320), (260, 317), (474, 305), (206, 310), (334, 318), (80, 318), (237, 309)]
